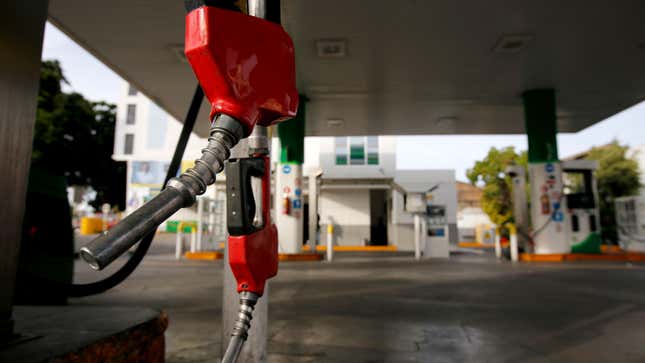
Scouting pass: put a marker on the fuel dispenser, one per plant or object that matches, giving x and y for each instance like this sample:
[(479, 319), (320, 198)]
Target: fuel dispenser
[(571, 206), (581, 193), (246, 68), (437, 242), (430, 225)]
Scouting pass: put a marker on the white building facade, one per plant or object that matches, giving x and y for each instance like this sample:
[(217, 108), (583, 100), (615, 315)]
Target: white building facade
[(362, 194), (145, 138)]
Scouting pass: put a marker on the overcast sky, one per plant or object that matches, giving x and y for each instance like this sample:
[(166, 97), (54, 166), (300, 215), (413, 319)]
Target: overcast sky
[(90, 77)]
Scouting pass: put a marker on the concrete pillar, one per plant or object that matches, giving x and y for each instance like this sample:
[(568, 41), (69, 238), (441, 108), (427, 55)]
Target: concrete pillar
[(288, 198), (289, 207), (548, 207), (22, 24), (255, 348)]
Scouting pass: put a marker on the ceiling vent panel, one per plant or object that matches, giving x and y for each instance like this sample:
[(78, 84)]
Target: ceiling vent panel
[(331, 48)]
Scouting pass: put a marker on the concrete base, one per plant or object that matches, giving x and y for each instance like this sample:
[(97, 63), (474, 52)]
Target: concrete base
[(86, 334), (402, 235), (436, 247)]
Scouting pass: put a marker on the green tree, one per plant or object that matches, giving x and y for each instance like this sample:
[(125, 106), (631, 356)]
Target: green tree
[(74, 137), (617, 176), (496, 197)]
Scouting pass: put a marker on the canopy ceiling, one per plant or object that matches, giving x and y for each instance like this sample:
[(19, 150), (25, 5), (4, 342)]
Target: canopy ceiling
[(409, 66)]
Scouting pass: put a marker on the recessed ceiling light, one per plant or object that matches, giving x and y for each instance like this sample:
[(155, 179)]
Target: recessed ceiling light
[(335, 122), (331, 48), (512, 43)]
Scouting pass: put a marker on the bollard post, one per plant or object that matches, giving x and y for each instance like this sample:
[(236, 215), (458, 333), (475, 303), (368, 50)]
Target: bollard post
[(193, 240), (498, 243), (179, 245), (417, 236), (513, 243), (330, 242), (105, 214), (423, 239)]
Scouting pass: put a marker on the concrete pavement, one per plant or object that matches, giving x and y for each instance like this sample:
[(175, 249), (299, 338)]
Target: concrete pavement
[(387, 308)]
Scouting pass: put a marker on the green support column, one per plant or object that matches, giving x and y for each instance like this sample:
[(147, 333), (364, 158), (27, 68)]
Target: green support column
[(548, 208), (289, 216), (541, 125), (292, 136)]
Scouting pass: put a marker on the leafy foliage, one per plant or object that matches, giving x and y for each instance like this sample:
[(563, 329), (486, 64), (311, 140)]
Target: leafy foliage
[(617, 176), (496, 197), (74, 137)]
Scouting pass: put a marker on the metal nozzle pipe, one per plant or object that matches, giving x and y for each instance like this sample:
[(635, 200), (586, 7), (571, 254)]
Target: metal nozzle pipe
[(115, 242), (180, 192)]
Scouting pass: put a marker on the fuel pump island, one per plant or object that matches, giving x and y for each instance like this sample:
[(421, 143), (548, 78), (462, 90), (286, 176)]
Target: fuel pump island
[(246, 68)]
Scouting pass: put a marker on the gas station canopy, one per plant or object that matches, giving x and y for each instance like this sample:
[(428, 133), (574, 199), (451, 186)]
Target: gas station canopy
[(400, 67)]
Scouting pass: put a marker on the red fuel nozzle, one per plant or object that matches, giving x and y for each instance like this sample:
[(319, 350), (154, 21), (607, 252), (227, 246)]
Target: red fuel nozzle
[(245, 65), (252, 245)]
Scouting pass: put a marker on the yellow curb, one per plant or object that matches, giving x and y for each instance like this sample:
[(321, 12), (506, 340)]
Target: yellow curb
[(204, 255), (354, 248), (611, 249), (561, 257), (475, 245)]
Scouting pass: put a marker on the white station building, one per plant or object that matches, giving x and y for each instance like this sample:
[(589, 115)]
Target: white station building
[(362, 193)]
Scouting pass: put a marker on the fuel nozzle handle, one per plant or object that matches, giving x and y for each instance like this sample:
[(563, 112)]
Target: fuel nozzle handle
[(179, 193)]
